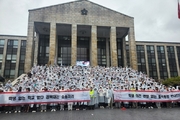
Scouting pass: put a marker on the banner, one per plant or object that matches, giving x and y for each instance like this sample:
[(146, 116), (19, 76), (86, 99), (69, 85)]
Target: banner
[(82, 63), (43, 97), (146, 96)]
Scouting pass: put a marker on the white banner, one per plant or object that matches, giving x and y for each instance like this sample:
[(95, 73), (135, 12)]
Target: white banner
[(43, 97), (145, 96), (82, 63)]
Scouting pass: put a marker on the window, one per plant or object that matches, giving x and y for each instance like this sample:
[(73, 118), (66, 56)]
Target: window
[(178, 54), (172, 61), (127, 55), (101, 53), (23, 43), (83, 44), (151, 61), (1, 58), (11, 58), (64, 50), (119, 51), (8, 57), (43, 54), (141, 58), (162, 62), (2, 43), (22, 57)]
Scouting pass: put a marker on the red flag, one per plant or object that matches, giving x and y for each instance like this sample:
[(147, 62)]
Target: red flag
[(178, 10)]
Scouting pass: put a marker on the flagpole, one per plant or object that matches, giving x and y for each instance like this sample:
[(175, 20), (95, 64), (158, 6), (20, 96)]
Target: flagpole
[(178, 9)]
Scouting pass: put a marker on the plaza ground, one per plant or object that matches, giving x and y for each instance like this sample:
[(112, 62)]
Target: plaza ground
[(99, 114)]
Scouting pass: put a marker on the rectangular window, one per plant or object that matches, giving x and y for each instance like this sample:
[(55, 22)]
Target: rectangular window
[(141, 58), (178, 54), (172, 61), (11, 58), (43, 54), (151, 61), (1, 57), (127, 55), (101, 44), (2, 43), (8, 57)]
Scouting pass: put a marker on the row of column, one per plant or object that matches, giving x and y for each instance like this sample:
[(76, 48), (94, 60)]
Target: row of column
[(93, 46), (157, 63)]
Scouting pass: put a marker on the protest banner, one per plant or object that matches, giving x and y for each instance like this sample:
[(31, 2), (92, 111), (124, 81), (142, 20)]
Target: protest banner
[(15, 98), (146, 96)]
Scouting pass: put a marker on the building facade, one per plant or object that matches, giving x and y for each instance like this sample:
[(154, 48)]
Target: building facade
[(12, 55), (85, 31), (79, 31)]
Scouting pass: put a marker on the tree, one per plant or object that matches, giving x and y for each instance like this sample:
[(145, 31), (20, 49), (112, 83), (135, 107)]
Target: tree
[(174, 81)]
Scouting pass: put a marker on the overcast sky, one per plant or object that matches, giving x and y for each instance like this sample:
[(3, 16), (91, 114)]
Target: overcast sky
[(155, 20)]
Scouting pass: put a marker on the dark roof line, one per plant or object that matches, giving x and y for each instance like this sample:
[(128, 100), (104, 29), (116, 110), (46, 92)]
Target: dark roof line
[(13, 35), (148, 41), (80, 1)]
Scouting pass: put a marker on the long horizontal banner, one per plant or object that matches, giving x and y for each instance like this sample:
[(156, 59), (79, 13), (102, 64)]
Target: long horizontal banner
[(145, 96), (43, 97)]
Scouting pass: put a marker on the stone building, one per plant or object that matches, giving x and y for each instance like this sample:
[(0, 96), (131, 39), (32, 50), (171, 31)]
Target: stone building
[(85, 31), (79, 31)]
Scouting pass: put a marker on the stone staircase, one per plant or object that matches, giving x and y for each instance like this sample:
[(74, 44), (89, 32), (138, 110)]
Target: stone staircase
[(17, 79)]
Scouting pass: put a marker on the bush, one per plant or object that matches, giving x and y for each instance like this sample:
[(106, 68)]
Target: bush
[(174, 81)]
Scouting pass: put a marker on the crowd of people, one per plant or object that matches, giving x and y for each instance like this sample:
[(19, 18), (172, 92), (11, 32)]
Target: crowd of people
[(100, 81)]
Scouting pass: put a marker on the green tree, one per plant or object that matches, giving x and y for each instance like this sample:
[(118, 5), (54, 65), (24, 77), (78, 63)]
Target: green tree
[(174, 81)]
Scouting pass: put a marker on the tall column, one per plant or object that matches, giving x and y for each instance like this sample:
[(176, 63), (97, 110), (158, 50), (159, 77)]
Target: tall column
[(167, 61), (124, 52), (146, 57), (36, 41), (74, 45), (18, 59), (107, 53), (4, 57), (113, 47), (157, 62), (29, 46), (52, 43), (177, 62), (93, 53), (132, 48)]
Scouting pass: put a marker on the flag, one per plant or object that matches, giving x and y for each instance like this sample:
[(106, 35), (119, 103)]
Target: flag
[(178, 10)]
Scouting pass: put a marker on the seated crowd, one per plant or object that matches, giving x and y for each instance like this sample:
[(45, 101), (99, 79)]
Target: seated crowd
[(103, 80)]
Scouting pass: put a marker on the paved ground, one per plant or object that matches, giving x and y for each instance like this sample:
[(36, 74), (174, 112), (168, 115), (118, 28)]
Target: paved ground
[(99, 114)]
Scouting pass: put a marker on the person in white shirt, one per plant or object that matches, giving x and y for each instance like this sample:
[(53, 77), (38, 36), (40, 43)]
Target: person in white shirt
[(101, 97), (109, 96)]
